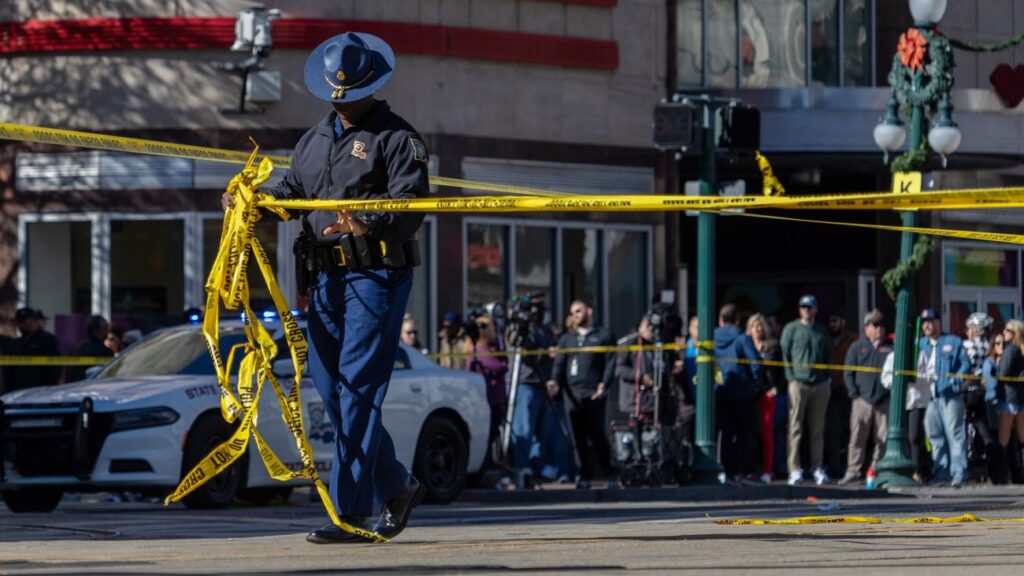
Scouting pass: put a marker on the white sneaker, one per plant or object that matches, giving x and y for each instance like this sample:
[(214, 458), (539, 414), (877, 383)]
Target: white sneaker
[(796, 477), (766, 478), (820, 477), (722, 478)]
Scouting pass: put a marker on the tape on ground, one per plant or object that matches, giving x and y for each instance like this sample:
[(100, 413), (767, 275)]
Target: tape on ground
[(962, 519)]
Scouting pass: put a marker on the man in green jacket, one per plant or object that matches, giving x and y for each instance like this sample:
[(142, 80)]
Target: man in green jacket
[(804, 344)]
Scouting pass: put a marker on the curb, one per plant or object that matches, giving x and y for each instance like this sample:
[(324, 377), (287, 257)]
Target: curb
[(685, 494)]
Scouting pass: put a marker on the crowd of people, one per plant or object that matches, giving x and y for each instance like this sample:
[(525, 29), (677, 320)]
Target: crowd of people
[(101, 340), (804, 402), (808, 401)]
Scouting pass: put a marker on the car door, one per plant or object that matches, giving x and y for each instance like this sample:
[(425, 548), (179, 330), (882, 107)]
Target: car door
[(405, 407)]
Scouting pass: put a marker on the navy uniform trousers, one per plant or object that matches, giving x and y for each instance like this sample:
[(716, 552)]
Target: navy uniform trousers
[(354, 323)]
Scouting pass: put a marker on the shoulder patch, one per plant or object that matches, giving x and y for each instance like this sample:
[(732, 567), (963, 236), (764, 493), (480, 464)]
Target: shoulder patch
[(419, 149)]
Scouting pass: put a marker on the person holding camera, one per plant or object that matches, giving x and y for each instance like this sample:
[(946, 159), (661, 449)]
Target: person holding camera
[(584, 376), (525, 331)]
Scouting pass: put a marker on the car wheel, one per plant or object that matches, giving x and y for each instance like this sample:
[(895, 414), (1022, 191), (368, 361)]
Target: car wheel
[(34, 499), (440, 462), (208, 432), (264, 496)]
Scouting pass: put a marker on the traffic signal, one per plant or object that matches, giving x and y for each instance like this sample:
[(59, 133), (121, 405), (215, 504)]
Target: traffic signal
[(675, 125), (741, 128)]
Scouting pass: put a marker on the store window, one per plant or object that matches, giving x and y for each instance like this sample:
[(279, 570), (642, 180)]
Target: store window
[(486, 259), (856, 27), (147, 272), (775, 45), (721, 44), (825, 42), (608, 266), (980, 266), (59, 267), (627, 275), (581, 275), (533, 271), (689, 56)]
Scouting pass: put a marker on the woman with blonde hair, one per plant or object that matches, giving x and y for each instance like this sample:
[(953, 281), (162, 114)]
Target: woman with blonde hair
[(1009, 389), (768, 348)]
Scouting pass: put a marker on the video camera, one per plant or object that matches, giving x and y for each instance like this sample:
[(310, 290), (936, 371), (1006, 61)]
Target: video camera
[(665, 322), (520, 317)]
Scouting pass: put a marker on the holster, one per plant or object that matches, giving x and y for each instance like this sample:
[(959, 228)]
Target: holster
[(348, 252), (305, 268)]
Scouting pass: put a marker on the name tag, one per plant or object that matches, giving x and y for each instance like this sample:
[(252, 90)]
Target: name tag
[(574, 367)]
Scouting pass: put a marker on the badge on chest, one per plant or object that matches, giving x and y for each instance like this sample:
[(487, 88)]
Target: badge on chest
[(359, 149)]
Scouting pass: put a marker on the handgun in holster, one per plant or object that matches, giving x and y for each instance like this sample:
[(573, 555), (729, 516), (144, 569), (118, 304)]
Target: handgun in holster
[(305, 265)]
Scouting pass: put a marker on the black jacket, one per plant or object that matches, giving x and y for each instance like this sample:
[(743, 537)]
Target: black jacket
[(383, 157), (41, 343), (89, 347), (590, 368), (866, 385)]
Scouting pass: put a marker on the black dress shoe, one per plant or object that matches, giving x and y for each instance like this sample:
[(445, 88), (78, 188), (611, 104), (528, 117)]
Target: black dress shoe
[(331, 534), (395, 514)]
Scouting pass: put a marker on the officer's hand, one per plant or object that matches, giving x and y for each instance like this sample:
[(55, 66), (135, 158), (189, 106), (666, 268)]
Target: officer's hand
[(552, 352), (347, 222), (599, 393), (226, 200), (552, 388)]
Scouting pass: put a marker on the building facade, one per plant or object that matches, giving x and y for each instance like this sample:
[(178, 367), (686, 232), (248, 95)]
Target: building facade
[(548, 94), (553, 94), (818, 69)]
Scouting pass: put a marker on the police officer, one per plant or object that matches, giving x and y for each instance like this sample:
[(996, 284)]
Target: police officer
[(360, 266)]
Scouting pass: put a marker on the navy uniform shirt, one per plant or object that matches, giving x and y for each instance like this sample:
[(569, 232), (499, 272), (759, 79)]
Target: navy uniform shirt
[(381, 157)]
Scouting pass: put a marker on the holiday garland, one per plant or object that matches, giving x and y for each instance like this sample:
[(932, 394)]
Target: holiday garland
[(893, 278)]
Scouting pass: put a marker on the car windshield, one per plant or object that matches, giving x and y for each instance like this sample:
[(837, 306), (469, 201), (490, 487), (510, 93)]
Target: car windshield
[(169, 352)]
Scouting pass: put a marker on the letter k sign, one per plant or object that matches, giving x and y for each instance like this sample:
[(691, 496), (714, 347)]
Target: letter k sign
[(906, 183)]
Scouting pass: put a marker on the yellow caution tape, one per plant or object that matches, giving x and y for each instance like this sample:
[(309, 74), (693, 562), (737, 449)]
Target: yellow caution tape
[(541, 200), (943, 232), (228, 284), (54, 360), (963, 518), (38, 134), (939, 200)]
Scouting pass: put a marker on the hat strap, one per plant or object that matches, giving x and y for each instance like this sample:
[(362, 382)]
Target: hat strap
[(339, 89)]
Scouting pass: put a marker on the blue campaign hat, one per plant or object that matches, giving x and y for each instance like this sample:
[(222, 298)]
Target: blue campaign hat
[(930, 314), (349, 67)]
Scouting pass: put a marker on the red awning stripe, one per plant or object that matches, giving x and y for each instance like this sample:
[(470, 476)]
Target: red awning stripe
[(297, 33)]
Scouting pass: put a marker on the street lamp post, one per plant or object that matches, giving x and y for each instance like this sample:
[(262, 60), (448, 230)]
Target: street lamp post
[(921, 78)]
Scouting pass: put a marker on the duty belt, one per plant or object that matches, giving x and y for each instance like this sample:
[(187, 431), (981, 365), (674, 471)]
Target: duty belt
[(358, 252)]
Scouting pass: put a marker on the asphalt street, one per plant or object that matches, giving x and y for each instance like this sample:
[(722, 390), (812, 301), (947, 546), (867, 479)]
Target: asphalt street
[(95, 536)]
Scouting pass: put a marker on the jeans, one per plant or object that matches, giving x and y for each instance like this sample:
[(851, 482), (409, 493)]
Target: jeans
[(944, 425), (526, 422), (354, 324)]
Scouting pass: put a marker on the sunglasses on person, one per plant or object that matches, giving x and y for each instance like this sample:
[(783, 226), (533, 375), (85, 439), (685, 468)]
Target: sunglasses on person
[(876, 324), (411, 332)]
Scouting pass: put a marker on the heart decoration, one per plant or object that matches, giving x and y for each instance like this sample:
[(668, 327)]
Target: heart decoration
[(1008, 83)]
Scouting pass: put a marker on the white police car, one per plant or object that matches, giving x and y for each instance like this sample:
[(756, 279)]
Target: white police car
[(151, 413)]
